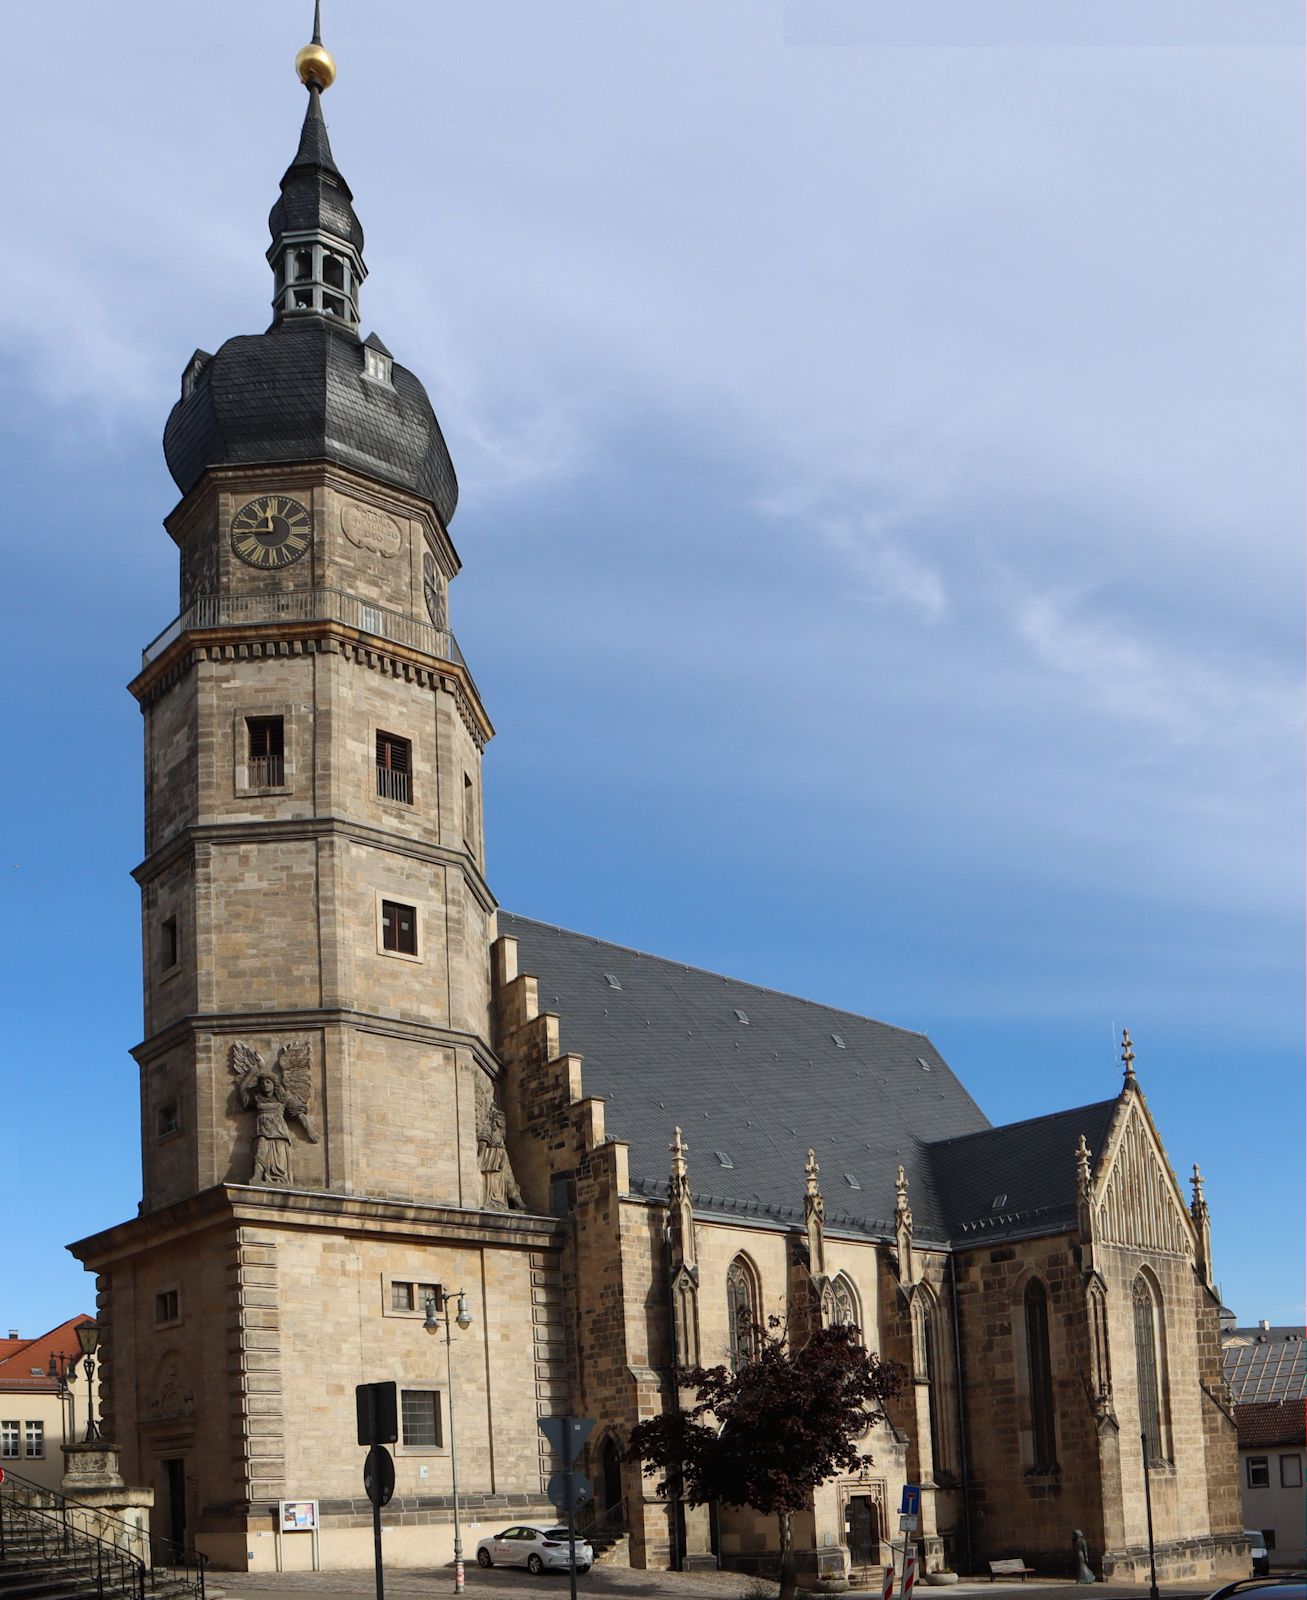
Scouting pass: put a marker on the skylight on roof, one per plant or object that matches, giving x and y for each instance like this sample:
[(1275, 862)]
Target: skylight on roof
[(742, 1016), (923, 1063), (723, 1159), (839, 1043), (999, 1200), (614, 982), (851, 1181)]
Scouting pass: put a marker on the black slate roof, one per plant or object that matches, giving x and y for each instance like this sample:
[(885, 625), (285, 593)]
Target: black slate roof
[(297, 393), (669, 1047), (761, 1076), (314, 195), (1018, 1178)]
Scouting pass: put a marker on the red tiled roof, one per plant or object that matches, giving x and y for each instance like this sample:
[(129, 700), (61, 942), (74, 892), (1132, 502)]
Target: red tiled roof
[(19, 1356), (1271, 1422)]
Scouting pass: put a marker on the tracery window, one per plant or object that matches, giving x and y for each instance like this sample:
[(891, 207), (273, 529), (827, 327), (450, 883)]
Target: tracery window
[(1039, 1373), (1150, 1375), (843, 1308), (741, 1311)]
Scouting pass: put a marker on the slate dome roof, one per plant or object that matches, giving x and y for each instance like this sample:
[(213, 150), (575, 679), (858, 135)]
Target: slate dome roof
[(297, 393)]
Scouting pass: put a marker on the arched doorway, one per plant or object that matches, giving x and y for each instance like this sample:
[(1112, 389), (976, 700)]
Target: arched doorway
[(610, 1470)]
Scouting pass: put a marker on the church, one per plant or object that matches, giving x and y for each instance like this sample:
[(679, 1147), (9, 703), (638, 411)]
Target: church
[(362, 1082)]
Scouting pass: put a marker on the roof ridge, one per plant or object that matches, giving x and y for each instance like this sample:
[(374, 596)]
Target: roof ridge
[(1025, 1122), (711, 972)]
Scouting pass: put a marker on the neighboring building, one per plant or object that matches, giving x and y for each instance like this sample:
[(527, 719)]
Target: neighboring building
[(1266, 1370), (359, 1081), (38, 1414)]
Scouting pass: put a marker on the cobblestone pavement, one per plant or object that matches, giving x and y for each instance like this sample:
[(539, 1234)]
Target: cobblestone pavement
[(619, 1583)]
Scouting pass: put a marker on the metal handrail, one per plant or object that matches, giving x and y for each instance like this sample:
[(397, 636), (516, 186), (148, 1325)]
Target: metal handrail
[(183, 1565), (590, 1520), (306, 605), (27, 1530)]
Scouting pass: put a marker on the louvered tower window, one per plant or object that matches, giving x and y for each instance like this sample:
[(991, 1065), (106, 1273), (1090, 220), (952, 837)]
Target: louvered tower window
[(394, 768), (1040, 1376)]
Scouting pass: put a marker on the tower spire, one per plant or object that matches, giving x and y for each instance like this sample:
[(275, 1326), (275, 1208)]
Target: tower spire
[(317, 243)]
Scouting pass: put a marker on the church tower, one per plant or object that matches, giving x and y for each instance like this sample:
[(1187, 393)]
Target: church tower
[(322, 1138)]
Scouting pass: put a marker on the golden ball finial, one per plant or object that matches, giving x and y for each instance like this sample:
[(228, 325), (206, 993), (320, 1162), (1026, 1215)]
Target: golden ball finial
[(316, 64)]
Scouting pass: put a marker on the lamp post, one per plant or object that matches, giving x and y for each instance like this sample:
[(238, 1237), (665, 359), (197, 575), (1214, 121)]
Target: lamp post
[(1148, 1506), (88, 1336), (63, 1370), (438, 1315)]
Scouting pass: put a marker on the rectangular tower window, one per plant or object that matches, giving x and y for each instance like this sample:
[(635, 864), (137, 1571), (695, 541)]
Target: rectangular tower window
[(420, 1409), (170, 948), (168, 1119), (167, 1306), (469, 814), (394, 768), (267, 752), (399, 928)]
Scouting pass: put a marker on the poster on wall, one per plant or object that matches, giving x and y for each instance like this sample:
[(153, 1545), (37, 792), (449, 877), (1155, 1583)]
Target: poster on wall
[(299, 1516)]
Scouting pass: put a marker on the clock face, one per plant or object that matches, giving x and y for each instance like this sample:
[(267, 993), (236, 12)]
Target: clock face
[(272, 531)]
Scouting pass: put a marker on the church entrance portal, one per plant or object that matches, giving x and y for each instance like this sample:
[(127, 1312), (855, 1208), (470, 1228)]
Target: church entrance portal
[(611, 1467), (175, 1514), (862, 1530)]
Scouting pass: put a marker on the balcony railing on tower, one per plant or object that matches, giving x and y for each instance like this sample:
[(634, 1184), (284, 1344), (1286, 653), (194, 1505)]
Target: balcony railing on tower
[(307, 605)]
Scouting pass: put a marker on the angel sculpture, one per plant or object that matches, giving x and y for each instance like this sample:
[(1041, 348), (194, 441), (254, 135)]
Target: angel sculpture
[(284, 1090)]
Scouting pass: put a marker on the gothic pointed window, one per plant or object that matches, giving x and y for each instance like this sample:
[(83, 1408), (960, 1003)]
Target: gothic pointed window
[(843, 1311), (1039, 1378), (1150, 1373), (741, 1311)]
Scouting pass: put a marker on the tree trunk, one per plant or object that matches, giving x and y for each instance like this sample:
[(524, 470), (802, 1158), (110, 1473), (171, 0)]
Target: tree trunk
[(787, 1558)]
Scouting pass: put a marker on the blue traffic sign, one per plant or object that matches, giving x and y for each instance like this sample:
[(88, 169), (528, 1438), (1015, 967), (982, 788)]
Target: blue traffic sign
[(910, 1505)]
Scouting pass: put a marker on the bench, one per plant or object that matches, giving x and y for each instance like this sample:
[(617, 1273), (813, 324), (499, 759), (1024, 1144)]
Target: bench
[(1013, 1568)]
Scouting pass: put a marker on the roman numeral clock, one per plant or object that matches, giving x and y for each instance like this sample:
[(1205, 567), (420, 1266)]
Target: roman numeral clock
[(272, 531)]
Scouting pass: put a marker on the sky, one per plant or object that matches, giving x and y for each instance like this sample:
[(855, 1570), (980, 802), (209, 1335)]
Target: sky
[(882, 497)]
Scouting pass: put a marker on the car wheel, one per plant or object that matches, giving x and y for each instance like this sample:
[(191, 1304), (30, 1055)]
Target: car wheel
[(583, 1569), (534, 1564), (483, 1559)]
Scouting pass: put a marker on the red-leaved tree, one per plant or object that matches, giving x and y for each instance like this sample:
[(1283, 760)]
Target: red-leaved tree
[(766, 1434)]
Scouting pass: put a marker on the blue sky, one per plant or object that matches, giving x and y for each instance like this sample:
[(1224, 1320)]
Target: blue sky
[(882, 506)]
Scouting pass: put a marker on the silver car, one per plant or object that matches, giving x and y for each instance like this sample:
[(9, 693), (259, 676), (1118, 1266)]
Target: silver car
[(537, 1546)]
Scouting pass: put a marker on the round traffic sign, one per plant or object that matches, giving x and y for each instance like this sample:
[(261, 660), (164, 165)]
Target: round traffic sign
[(379, 1475)]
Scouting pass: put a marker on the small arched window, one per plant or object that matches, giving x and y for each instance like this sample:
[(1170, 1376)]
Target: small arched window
[(1039, 1375), (1150, 1367), (741, 1311)]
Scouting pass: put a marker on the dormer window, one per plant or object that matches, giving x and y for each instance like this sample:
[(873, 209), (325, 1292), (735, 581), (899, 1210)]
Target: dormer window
[(376, 365), (194, 367)]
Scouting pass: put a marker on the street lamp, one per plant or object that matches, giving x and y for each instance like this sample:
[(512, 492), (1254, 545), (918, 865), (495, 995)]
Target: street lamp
[(438, 1316), (63, 1370), (88, 1336)]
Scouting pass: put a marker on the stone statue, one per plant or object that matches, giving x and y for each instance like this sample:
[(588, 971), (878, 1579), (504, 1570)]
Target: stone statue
[(499, 1191), (285, 1090), (1081, 1549)]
